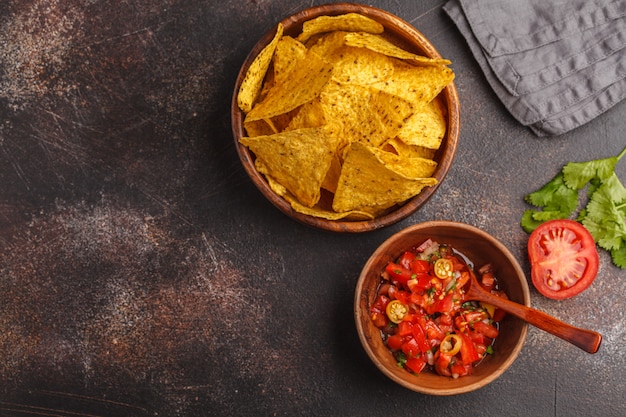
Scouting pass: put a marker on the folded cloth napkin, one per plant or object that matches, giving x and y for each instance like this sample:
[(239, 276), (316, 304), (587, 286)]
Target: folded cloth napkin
[(554, 64)]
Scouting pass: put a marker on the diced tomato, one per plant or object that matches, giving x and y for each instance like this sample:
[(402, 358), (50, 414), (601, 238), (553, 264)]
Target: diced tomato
[(445, 323), (486, 329), (380, 320), (406, 259), (488, 281), (411, 348), (442, 363), (380, 304), (419, 335), (420, 266), (444, 305), (395, 342), (378, 311), (478, 338), (468, 350), (460, 369), (419, 283), (434, 332), (416, 364), (398, 273), (405, 328), (462, 279)]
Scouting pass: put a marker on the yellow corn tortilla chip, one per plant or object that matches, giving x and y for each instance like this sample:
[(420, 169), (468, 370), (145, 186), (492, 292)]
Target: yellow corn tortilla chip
[(301, 85), (426, 127), (409, 151), (326, 44), (289, 52), (366, 114), (332, 175), (359, 66), (252, 82), (258, 128), (381, 45), (297, 159), (416, 84), (368, 184), (327, 214), (310, 114), (414, 167), (352, 22)]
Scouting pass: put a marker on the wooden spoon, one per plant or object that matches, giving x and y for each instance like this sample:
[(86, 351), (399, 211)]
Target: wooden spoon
[(587, 340)]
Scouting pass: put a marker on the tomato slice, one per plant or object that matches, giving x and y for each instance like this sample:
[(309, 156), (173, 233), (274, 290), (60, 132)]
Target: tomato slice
[(563, 258)]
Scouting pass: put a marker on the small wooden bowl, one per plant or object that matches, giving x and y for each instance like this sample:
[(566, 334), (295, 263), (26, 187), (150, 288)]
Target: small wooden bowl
[(480, 248), (404, 35)]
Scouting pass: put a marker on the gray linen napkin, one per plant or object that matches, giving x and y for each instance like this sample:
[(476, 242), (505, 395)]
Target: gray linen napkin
[(554, 64)]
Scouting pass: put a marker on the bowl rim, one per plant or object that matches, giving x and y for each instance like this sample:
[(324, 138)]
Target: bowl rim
[(383, 249), (293, 24)]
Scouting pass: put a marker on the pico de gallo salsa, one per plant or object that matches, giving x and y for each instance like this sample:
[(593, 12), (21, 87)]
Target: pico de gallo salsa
[(423, 317)]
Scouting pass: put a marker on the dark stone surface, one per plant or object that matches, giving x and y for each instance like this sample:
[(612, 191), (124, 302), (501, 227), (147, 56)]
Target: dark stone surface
[(142, 274)]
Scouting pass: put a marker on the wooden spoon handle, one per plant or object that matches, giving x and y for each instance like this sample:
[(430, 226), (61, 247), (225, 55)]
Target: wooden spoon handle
[(587, 340)]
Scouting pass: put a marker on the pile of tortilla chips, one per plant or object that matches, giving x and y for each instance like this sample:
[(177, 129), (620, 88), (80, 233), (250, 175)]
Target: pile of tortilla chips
[(343, 123)]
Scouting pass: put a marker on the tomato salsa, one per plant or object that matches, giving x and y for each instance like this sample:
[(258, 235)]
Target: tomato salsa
[(423, 317)]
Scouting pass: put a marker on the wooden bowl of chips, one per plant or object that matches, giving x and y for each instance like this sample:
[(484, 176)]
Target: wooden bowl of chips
[(345, 117), (480, 249)]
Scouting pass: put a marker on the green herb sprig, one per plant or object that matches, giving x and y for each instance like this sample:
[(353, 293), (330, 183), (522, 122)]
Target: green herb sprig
[(605, 212)]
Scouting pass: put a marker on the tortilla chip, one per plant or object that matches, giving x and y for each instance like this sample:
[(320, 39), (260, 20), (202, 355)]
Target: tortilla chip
[(332, 175), (368, 184), (414, 167), (311, 114), (367, 115), (258, 128), (381, 45), (289, 53), (327, 214), (359, 66), (426, 127), (416, 84), (297, 159), (352, 22), (301, 85), (253, 81), (326, 44), (409, 151)]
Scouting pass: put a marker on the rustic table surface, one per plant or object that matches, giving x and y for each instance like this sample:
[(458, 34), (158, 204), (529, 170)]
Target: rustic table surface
[(142, 273)]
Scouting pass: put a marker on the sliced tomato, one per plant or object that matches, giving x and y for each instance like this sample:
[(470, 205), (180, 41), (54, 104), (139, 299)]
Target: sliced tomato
[(563, 258)]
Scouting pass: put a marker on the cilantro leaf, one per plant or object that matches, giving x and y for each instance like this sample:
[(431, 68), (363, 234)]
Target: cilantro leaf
[(578, 174), (557, 200), (619, 257), (604, 219)]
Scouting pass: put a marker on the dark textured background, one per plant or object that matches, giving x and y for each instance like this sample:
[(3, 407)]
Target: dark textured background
[(142, 274)]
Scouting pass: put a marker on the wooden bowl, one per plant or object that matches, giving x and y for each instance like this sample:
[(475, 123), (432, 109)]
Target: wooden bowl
[(403, 34), (480, 248)]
